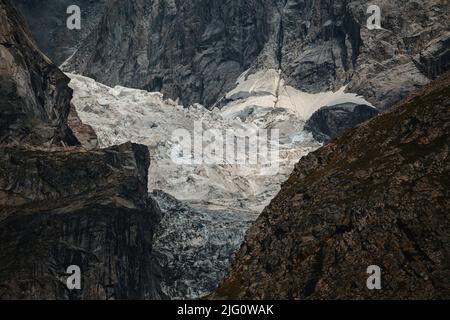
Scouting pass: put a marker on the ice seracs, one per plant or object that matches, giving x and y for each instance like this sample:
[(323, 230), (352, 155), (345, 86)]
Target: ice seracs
[(219, 199), (122, 114)]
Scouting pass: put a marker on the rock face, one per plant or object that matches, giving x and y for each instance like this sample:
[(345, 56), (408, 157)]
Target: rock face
[(196, 50), (84, 133), (329, 122), (191, 50), (327, 44), (378, 195), (72, 207), (65, 206), (48, 22), (34, 103), (195, 247)]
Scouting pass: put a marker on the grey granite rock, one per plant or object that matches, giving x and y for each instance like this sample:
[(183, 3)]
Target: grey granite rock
[(195, 247)]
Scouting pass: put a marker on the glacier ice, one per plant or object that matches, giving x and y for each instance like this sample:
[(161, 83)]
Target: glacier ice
[(198, 237)]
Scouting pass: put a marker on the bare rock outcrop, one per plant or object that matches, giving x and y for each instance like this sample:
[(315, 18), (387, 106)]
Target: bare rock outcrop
[(60, 208)]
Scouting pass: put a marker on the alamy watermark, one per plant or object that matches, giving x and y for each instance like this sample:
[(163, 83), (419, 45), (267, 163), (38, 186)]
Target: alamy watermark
[(374, 280), (374, 20), (74, 20), (74, 280)]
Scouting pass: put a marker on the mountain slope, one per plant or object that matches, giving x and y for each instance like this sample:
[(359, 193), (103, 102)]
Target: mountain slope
[(378, 195)]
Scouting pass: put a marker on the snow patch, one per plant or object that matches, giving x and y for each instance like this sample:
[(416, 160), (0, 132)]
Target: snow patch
[(262, 92)]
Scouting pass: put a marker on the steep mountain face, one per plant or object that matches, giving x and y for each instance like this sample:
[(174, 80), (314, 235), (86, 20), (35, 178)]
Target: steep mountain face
[(35, 98), (326, 44), (191, 50), (48, 23), (378, 195), (65, 206), (216, 200), (196, 50)]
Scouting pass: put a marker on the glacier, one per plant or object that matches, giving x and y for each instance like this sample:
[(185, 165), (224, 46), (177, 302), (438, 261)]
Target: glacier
[(207, 206)]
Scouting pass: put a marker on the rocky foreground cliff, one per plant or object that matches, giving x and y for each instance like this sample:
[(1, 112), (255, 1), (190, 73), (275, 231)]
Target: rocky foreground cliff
[(60, 204), (60, 208), (376, 196)]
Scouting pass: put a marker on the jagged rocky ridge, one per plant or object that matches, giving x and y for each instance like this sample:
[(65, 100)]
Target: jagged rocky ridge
[(61, 205), (378, 195)]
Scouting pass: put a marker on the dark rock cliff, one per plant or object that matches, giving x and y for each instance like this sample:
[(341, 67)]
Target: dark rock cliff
[(326, 44), (71, 207), (34, 103), (378, 195), (62, 206)]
